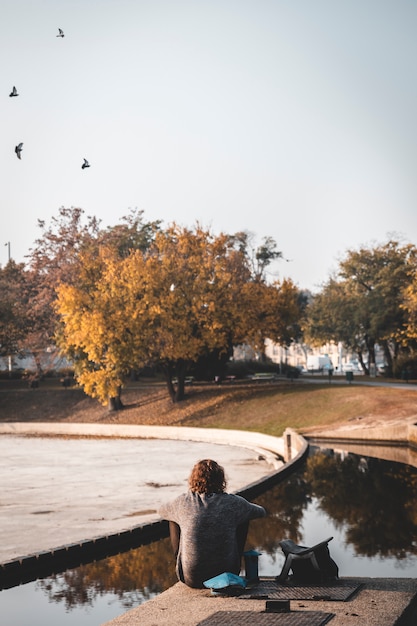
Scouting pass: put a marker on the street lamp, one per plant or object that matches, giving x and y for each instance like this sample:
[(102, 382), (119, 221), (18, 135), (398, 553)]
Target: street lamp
[(10, 363)]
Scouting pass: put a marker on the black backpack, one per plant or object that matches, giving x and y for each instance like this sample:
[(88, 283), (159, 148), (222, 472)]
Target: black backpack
[(303, 564)]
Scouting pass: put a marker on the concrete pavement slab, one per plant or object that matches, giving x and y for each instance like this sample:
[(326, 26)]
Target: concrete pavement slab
[(380, 602)]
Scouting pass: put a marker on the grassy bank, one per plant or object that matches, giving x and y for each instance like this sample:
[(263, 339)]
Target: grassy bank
[(262, 407)]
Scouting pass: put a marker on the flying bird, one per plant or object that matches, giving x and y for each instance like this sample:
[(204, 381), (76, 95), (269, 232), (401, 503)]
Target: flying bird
[(14, 92), (18, 150), (61, 33), (85, 164)]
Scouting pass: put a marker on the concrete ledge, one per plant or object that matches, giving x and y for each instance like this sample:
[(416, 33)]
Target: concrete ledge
[(388, 451), (294, 444), (380, 602), (412, 434), (295, 452), (399, 431), (270, 447), (48, 562)]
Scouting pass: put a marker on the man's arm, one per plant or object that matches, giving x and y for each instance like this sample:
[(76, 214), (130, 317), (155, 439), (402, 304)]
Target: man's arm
[(174, 535)]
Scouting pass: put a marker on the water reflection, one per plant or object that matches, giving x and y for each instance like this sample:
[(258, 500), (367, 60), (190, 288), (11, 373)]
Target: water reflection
[(370, 503), (133, 577), (372, 500), (375, 501)]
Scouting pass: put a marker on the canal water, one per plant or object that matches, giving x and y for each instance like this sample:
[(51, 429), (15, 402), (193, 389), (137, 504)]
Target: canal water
[(368, 506)]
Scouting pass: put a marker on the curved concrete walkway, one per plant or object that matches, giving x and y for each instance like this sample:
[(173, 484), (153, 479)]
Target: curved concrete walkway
[(271, 448)]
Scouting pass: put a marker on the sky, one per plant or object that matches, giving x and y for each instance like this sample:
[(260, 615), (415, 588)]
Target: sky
[(289, 119)]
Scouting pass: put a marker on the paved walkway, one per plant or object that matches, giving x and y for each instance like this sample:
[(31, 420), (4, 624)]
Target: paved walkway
[(379, 603)]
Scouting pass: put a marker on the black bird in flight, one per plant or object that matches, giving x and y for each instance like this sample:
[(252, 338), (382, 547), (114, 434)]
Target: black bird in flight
[(18, 150), (85, 164), (61, 33), (13, 92)]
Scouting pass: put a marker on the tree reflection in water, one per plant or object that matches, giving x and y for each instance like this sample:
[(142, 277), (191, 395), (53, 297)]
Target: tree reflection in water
[(373, 501), (133, 577)]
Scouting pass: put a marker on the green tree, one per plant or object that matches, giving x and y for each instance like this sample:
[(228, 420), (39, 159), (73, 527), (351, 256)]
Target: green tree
[(361, 305), (380, 275), (335, 314)]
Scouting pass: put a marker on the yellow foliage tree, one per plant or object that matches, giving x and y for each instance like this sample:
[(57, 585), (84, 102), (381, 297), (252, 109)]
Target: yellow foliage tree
[(167, 305), (189, 293), (193, 298), (271, 311), (409, 333), (100, 314)]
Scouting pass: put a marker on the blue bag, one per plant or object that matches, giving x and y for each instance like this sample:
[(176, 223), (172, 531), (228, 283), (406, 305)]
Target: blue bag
[(225, 581)]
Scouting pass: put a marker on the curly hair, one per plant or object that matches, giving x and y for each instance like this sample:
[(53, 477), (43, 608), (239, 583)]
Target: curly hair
[(207, 476)]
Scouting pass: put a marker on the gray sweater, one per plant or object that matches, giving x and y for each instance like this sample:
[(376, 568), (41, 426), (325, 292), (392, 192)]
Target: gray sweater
[(208, 524)]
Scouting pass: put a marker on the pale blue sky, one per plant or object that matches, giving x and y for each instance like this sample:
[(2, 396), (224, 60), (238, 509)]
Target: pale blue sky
[(294, 119)]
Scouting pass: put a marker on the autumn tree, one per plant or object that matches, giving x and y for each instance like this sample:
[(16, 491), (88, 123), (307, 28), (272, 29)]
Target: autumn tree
[(55, 259), (206, 298), (163, 305), (54, 256), (99, 332), (187, 294), (194, 291), (13, 307), (408, 334), (272, 311), (23, 325), (132, 233)]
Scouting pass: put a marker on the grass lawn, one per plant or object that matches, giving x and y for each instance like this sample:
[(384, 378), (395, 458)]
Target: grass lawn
[(263, 407)]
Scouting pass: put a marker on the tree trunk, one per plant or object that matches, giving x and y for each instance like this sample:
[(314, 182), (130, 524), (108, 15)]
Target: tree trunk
[(38, 365), (180, 390), (180, 369), (167, 369), (362, 362), (175, 389), (370, 345), (115, 403), (391, 350)]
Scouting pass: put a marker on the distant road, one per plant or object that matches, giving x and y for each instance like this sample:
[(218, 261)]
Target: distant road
[(357, 380)]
